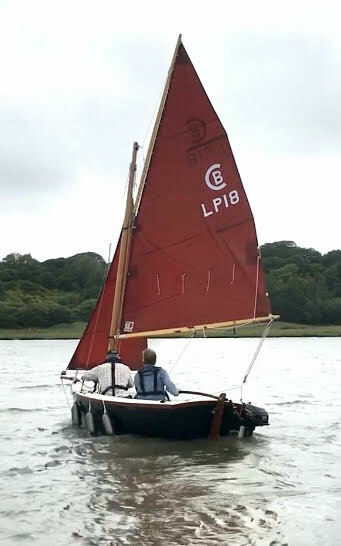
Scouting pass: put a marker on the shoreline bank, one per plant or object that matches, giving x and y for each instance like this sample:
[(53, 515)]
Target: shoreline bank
[(278, 329)]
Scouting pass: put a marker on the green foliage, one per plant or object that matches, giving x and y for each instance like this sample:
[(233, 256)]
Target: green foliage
[(331, 311), (35, 294), (304, 286), (85, 308)]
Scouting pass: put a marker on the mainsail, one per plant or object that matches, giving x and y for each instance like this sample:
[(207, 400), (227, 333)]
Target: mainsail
[(194, 259)]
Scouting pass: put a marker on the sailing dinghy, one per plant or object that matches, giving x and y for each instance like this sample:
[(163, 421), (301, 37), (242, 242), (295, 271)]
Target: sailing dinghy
[(187, 260)]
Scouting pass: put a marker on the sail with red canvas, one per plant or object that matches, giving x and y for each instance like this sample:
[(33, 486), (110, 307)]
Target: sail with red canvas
[(193, 260), (194, 257)]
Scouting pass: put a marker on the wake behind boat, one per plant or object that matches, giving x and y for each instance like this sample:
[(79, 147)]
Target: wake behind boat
[(187, 260)]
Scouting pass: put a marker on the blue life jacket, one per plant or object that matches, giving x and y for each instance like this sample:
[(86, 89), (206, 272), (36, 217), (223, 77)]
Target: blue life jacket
[(144, 373)]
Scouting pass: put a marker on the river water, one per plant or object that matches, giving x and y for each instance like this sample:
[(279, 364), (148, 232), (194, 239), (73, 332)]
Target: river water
[(282, 487)]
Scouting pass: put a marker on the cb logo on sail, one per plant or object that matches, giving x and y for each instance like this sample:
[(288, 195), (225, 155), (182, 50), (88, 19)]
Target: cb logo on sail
[(213, 177), (214, 180)]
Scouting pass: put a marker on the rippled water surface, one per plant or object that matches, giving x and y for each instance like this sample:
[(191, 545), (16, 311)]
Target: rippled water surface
[(281, 487)]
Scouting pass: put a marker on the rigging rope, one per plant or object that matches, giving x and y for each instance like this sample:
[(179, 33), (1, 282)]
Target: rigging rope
[(258, 348), (261, 341), (153, 118), (66, 397), (182, 352), (257, 282)]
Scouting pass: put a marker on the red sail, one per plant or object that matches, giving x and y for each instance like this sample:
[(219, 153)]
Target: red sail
[(92, 347), (131, 351), (194, 254)]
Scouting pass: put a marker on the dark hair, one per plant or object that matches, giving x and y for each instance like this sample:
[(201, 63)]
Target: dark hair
[(113, 356)]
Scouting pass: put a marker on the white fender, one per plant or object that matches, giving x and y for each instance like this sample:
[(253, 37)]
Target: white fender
[(241, 432), (107, 424), (76, 415), (90, 422), (83, 420)]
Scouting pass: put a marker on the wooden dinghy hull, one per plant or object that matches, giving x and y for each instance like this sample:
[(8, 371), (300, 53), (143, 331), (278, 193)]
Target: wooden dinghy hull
[(175, 420)]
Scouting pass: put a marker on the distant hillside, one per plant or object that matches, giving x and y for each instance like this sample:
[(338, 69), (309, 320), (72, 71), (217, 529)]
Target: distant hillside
[(42, 294), (304, 286)]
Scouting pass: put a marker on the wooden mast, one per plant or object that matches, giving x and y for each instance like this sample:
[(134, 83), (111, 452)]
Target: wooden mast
[(156, 127), (123, 256)]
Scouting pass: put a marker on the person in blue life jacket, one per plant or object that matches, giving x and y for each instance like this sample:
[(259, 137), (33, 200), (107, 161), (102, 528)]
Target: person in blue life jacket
[(153, 382)]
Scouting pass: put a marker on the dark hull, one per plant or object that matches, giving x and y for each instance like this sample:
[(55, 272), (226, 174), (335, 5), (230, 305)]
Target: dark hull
[(186, 420)]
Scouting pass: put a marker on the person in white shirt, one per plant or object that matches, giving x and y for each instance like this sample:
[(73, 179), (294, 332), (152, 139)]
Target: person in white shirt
[(114, 377)]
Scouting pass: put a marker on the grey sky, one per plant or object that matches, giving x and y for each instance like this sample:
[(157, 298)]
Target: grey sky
[(81, 80)]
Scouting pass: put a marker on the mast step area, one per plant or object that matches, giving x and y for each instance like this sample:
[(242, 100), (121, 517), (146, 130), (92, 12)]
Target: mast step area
[(183, 421)]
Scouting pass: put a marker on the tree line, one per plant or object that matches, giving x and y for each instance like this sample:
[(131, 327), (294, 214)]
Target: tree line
[(62, 290), (304, 286)]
